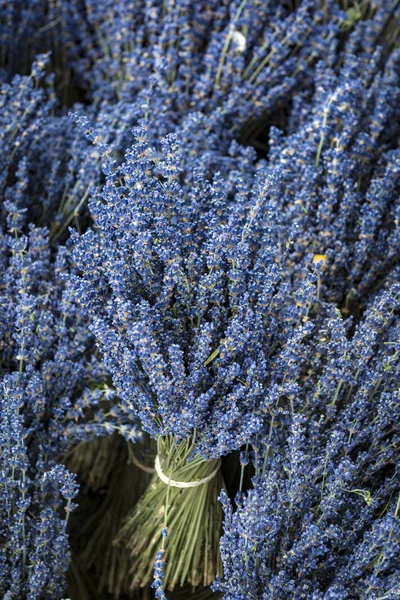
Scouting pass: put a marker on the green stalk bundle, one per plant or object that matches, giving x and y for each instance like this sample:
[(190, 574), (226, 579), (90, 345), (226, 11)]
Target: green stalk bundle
[(113, 475), (192, 517)]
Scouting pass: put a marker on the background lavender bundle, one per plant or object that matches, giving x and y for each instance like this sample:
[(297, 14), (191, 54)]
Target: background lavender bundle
[(51, 389), (44, 373), (209, 55), (345, 155), (323, 517)]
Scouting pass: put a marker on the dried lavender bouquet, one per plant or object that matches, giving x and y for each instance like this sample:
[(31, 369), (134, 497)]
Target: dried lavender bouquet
[(201, 328), (322, 520)]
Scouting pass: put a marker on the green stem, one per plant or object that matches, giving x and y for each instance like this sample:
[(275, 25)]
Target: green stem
[(227, 42)]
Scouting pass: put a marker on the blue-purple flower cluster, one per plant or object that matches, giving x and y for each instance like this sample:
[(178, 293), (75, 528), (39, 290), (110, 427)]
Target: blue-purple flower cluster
[(51, 389), (52, 384), (191, 298), (341, 172), (231, 172), (322, 520)]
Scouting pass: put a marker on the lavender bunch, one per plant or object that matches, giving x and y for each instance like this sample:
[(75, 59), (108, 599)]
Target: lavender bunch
[(340, 166), (41, 182), (237, 60), (51, 186), (236, 64), (207, 126), (322, 519), (51, 397), (198, 322), (120, 52), (225, 56), (239, 64), (168, 274)]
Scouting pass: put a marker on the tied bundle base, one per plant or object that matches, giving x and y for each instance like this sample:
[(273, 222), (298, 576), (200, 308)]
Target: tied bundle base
[(190, 516)]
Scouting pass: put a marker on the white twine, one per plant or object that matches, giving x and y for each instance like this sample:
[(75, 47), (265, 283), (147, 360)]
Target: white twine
[(183, 484), (138, 464)]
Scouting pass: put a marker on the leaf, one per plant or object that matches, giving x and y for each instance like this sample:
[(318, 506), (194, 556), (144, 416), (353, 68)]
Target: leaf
[(211, 357)]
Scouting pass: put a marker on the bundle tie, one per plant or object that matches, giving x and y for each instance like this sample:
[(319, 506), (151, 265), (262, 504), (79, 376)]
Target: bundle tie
[(183, 484), (140, 465)]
